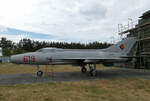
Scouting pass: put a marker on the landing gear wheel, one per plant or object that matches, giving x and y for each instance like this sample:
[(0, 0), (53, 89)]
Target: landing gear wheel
[(93, 72), (83, 70), (39, 74)]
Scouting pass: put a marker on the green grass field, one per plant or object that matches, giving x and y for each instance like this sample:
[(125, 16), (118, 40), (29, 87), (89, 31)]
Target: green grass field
[(13, 69), (120, 89), (94, 90)]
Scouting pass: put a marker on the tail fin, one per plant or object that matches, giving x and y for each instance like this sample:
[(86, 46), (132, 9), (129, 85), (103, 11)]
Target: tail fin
[(123, 46)]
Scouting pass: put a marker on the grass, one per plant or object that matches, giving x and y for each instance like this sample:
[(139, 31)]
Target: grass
[(119, 89), (93, 90), (13, 69)]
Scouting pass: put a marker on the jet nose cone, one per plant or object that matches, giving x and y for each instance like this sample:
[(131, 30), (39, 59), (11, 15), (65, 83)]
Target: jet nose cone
[(16, 59), (12, 59)]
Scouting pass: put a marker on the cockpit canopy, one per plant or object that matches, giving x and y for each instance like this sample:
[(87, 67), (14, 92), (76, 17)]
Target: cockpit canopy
[(44, 50)]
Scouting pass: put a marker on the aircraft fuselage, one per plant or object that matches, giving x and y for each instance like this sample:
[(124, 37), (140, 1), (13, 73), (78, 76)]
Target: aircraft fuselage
[(65, 57)]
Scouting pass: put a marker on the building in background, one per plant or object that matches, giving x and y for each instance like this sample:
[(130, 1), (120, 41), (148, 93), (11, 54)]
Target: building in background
[(141, 50), (3, 59)]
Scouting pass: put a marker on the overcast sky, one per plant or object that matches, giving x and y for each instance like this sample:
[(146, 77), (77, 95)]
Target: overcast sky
[(67, 20)]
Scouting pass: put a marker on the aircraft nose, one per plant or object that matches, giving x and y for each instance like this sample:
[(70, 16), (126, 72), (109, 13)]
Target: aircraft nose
[(15, 59), (12, 59)]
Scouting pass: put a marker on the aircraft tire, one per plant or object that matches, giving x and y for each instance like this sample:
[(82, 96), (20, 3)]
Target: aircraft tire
[(83, 70), (39, 73), (93, 73)]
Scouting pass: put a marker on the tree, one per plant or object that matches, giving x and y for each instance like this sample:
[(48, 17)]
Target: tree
[(28, 45)]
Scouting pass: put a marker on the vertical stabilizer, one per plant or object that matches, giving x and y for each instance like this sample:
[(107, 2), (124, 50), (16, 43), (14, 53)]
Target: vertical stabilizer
[(123, 46)]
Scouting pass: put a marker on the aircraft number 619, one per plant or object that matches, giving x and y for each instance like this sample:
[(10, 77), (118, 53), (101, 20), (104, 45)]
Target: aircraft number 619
[(29, 59)]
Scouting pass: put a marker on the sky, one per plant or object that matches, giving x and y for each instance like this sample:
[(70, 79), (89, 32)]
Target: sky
[(67, 20)]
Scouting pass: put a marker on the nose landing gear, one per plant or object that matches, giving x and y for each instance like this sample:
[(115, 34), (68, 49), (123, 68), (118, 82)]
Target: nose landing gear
[(39, 73)]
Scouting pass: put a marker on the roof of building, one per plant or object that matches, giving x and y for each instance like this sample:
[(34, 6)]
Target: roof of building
[(146, 14)]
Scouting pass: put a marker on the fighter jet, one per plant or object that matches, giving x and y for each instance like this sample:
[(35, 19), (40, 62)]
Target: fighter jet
[(77, 57)]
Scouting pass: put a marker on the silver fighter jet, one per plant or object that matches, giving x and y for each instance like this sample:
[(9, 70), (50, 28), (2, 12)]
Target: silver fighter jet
[(77, 57)]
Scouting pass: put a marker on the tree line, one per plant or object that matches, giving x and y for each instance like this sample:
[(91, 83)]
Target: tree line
[(27, 45)]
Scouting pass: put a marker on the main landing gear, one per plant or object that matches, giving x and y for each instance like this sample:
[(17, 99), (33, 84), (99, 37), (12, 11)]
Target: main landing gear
[(92, 70), (83, 69), (39, 73)]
